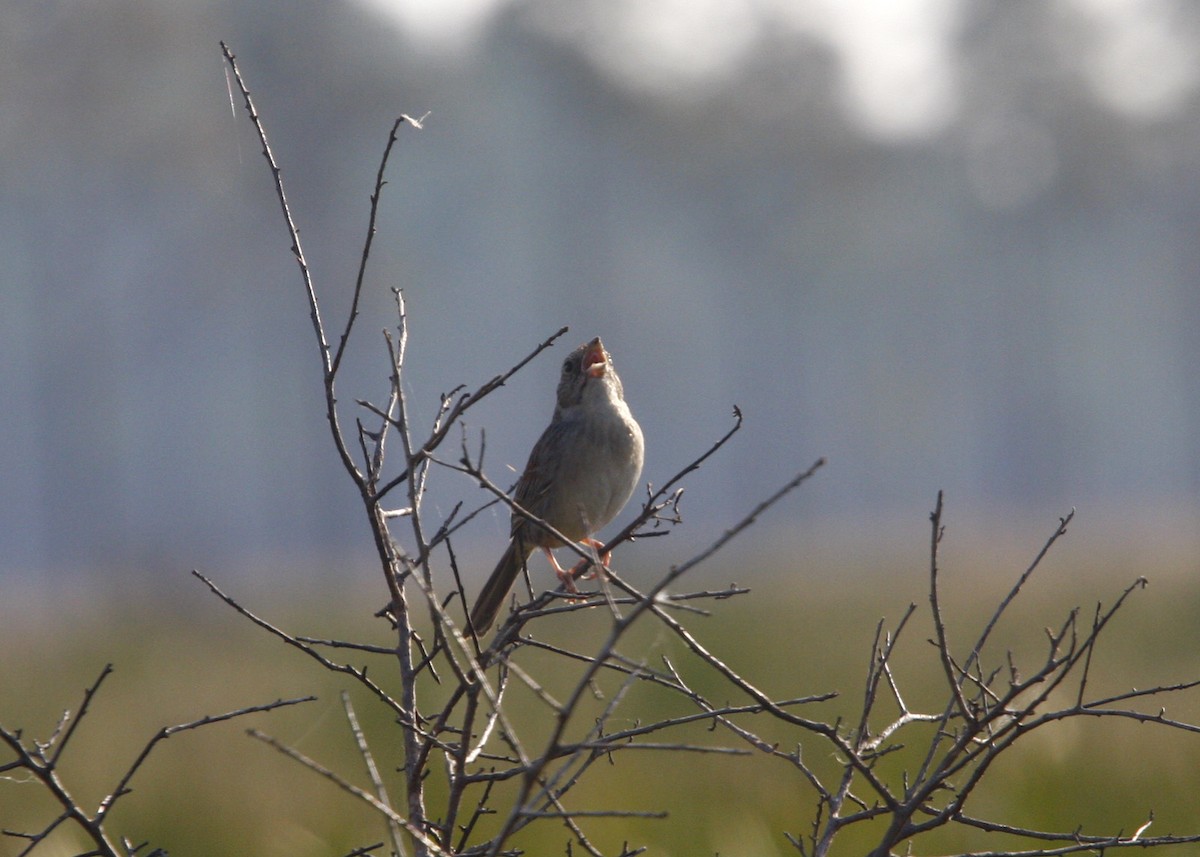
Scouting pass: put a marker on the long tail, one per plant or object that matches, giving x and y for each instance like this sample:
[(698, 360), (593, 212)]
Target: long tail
[(487, 605)]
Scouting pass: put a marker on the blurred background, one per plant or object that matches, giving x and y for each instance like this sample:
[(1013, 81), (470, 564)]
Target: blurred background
[(945, 244)]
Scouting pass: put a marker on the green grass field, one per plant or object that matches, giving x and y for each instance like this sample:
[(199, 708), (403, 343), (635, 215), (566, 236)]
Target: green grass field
[(216, 791)]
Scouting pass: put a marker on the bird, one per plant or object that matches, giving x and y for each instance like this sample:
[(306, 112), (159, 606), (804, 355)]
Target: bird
[(580, 474)]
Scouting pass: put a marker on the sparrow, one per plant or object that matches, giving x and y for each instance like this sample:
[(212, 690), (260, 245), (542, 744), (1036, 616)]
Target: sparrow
[(580, 474)]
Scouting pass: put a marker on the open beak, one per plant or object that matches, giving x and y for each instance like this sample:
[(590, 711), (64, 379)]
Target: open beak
[(595, 360)]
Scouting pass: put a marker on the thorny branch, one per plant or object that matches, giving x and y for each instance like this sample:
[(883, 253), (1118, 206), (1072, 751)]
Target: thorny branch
[(985, 713), (41, 761), (463, 729), (986, 709)]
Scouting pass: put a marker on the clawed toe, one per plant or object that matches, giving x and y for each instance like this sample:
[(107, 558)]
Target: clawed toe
[(567, 579), (585, 569), (579, 573)]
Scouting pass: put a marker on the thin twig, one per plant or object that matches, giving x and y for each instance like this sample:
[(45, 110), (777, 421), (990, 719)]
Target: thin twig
[(364, 750), (349, 787), (166, 732), (367, 242), (461, 405)]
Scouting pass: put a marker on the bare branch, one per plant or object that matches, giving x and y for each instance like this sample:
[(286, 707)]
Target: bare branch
[(461, 405), (366, 250), (1061, 530), (942, 645), (166, 732), (364, 750), (366, 797)]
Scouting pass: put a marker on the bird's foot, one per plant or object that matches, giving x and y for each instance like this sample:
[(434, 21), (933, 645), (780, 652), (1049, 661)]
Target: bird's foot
[(587, 569)]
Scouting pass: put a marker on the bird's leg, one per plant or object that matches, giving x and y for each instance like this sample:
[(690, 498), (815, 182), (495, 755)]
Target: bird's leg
[(566, 578), (595, 545)]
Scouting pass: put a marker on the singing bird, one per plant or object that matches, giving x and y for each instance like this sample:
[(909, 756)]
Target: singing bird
[(580, 474)]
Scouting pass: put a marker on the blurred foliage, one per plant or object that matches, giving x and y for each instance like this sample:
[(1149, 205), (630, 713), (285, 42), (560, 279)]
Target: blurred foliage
[(806, 629)]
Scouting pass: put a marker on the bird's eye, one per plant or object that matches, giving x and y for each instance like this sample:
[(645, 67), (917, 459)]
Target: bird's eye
[(566, 367)]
